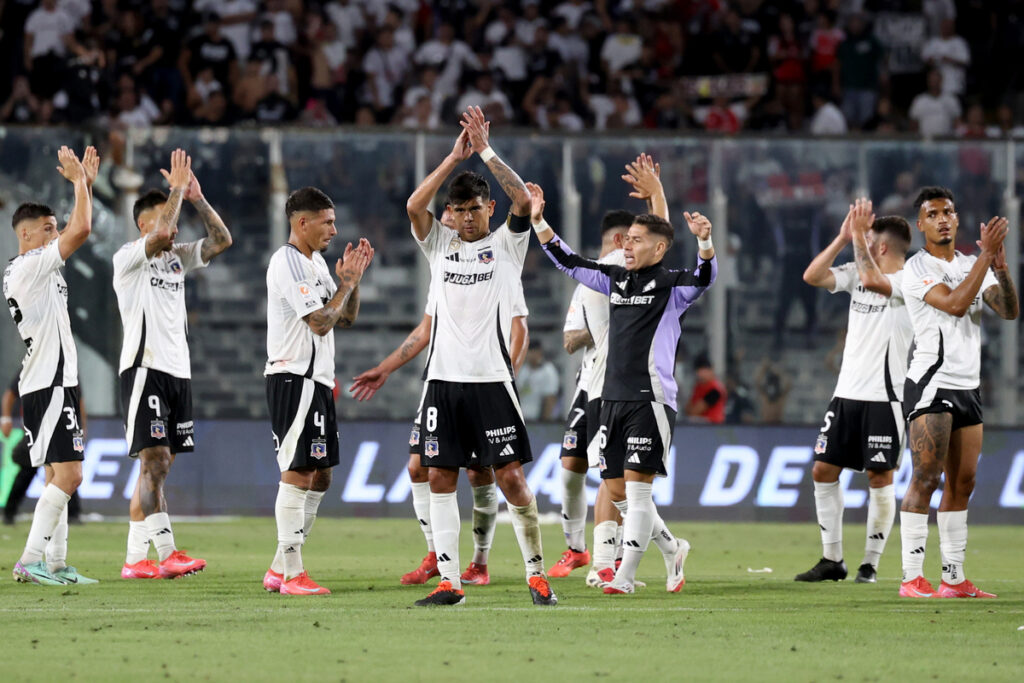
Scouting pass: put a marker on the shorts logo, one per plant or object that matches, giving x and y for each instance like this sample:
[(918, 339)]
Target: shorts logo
[(318, 449), (569, 440), (78, 443), (878, 457), (157, 430), (430, 448), (634, 459), (485, 256), (601, 463), (414, 437), (821, 444)]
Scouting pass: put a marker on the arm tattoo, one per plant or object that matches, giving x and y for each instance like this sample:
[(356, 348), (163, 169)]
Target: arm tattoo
[(350, 310), (1003, 299), (173, 207), (324, 320), (510, 181), (574, 340), (408, 348), (217, 236), (865, 263)]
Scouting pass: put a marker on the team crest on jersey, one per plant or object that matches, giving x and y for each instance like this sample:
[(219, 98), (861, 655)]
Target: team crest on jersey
[(649, 286), (602, 464), (455, 244), (78, 443), (175, 267), (821, 444), (157, 429), (414, 437), (485, 255), (318, 449), (430, 448), (569, 440)]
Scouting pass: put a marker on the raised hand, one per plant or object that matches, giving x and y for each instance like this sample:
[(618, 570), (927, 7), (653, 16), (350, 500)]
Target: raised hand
[(861, 216), (992, 236), (536, 202), (91, 164), (644, 175), (194, 192), (699, 224), (366, 384), (462, 149), (477, 127), (181, 170), (354, 261), (70, 167)]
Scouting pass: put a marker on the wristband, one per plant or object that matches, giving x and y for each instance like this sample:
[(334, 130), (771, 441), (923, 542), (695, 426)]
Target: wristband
[(487, 153), (541, 227), (5, 420), (704, 245)]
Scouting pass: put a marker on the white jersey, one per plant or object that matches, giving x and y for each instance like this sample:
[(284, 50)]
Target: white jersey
[(878, 338), (475, 287), (946, 348), (593, 310), (38, 299), (296, 287), (151, 298)]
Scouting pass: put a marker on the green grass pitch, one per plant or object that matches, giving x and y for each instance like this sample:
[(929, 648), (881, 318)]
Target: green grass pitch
[(727, 624)]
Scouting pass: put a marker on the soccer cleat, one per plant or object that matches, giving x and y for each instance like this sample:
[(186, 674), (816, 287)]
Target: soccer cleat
[(426, 571), (272, 581), (569, 560), (865, 574), (179, 564), (918, 588), (69, 574), (35, 572), (674, 566), (594, 579), (604, 577), (443, 595), (476, 574), (618, 588), (825, 570), (962, 590), (302, 585), (540, 591), (143, 569)]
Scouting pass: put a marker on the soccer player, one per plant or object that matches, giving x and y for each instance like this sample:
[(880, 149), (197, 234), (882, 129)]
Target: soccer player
[(864, 427), (485, 499), (304, 305), (155, 370), (470, 411), (37, 296), (941, 398), (638, 403)]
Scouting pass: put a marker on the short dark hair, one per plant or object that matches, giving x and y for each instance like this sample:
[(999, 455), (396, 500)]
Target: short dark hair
[(703, 360), (146, 202), (617, 218), (896, 227), (657, 225), (30, 211), (307, 199), (468, 186), (933, 192)]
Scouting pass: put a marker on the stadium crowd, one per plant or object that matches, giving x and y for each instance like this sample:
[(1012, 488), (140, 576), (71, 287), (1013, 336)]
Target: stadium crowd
[(937, 67)]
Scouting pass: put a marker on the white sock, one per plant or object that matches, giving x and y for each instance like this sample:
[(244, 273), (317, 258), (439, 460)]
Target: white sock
[(605, 544), (527, 528), (485, 518), (828, 503), (421, 506), (444, 517), (47, 515), (623, 507), (313, 499), (57, 548), (881, 513), (290, 513), (638, 525), (138, 543), (158, 525), (662, 537), (953, 545), (914, 539), (574, 510)]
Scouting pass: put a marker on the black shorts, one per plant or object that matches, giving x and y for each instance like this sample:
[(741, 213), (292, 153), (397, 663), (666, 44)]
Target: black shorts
[(634, 435), (304, 422), (861, 435), (157, 410), (52, 424), (577, 436), (963, 404), (415, 442), (472, 424)]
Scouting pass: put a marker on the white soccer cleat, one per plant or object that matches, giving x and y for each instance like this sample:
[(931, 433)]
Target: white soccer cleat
[(674, 566)]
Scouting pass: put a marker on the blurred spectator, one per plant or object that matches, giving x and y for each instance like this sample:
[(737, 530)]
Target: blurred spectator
[(614, 108), (860, 60), (934, 112), (277, 12), (236, 17), (827, 119), (901, 201), (450, 56), (786, 54), (49, 31), (773, 385), (720, 117), (571, 48), (707, 401), (348, 19), (973, 126), (936, 12), (885, 119), (274, 107), (385, 65), (736, 49), (316, 114), (210, 52), (824, 44), (538, 384), (527, 25), (134, 110), (572, 12), (541, 59), (213, 111), (621, 49), (1006, 125), (485, 95), (949, 53), (739, 403), (275, 60), (22, 106)]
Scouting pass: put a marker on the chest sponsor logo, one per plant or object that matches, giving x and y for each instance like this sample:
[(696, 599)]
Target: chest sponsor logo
[(467, 278), (163, 284), (862, 307), (635, 300), (485, 255)]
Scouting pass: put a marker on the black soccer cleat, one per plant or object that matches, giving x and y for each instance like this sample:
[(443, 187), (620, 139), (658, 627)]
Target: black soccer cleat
[(825, 570), (540, 591), (442, 596), (865, 574)]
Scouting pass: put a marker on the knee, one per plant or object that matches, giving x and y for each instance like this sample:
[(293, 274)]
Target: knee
[(962, 485), (927, 479), (155, 466), (321, 480), (417, 474), (824, 473), (479, 477)]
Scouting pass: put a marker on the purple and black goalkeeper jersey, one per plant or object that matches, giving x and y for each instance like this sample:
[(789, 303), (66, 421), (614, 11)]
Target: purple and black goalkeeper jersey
[(645, 320)]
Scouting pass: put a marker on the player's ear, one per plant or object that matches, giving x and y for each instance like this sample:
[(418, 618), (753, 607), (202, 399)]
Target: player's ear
[(490, 211)]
